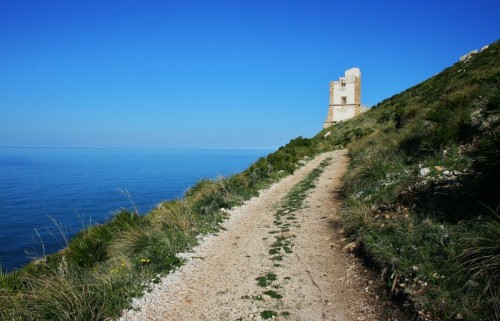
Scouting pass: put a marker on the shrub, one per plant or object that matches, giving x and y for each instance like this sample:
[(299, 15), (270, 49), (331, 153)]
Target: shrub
[(86, 252), (480, 261)]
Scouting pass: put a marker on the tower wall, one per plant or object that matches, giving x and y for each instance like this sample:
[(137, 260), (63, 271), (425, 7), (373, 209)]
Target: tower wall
[(345, 97)]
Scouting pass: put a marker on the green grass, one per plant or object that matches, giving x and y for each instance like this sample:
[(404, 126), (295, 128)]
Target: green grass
[(273, 294), (266, 280), (268, 314)]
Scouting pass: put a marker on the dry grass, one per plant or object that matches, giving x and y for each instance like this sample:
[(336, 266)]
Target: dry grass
[(176, 215)]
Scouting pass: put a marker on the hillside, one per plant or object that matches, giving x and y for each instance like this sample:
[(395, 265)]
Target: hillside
[(422, 193)]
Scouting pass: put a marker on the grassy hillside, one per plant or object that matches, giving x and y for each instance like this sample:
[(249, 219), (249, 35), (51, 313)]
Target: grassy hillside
[(422, 194)]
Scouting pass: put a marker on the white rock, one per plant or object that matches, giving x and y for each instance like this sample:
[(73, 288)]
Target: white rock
[(350, 247), (468, 55), (425, 171)]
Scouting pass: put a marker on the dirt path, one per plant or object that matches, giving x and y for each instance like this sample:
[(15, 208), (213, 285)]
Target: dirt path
[(278, 258)]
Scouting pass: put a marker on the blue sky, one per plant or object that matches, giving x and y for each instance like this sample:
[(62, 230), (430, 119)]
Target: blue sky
[(213, 74)]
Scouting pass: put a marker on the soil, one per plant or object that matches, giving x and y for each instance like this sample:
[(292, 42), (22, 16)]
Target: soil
[(262, 266)]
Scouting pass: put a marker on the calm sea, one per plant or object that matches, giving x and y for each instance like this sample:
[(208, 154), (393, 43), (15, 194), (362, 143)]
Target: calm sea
[(49, 192)]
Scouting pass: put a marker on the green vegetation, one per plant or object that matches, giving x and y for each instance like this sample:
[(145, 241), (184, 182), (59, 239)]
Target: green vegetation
[(268, 314), (422, 193), (273, 294), (266, 280)]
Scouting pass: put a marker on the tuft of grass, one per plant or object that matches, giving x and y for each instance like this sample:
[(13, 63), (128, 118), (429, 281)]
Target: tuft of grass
[(268, 314), (480, 261), (86, 252), (266, 280), (273, 294), (174, 215)]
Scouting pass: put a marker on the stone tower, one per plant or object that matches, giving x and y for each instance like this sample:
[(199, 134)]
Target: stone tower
[(345, 98)]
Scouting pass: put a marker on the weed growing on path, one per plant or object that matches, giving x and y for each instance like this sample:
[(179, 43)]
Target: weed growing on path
[(268, 314), (266, 280), (273, 294), (284, 219)]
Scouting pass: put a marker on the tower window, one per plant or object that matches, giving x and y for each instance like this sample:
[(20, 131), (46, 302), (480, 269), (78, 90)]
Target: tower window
[(344, 100)]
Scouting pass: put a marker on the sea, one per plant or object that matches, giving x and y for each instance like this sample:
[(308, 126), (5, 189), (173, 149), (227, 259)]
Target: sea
[(47, 195)]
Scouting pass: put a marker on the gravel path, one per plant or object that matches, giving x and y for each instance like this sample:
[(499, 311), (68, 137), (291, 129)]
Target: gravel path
[(272, 261)]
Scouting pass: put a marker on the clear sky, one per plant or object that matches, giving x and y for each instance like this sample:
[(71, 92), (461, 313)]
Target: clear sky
[(213, 74)]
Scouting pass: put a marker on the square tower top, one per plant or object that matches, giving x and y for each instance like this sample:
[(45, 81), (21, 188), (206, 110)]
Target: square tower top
[(352, 73), (345, 98)]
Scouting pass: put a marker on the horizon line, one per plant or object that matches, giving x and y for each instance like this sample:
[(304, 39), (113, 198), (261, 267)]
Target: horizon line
[(165, 148)]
